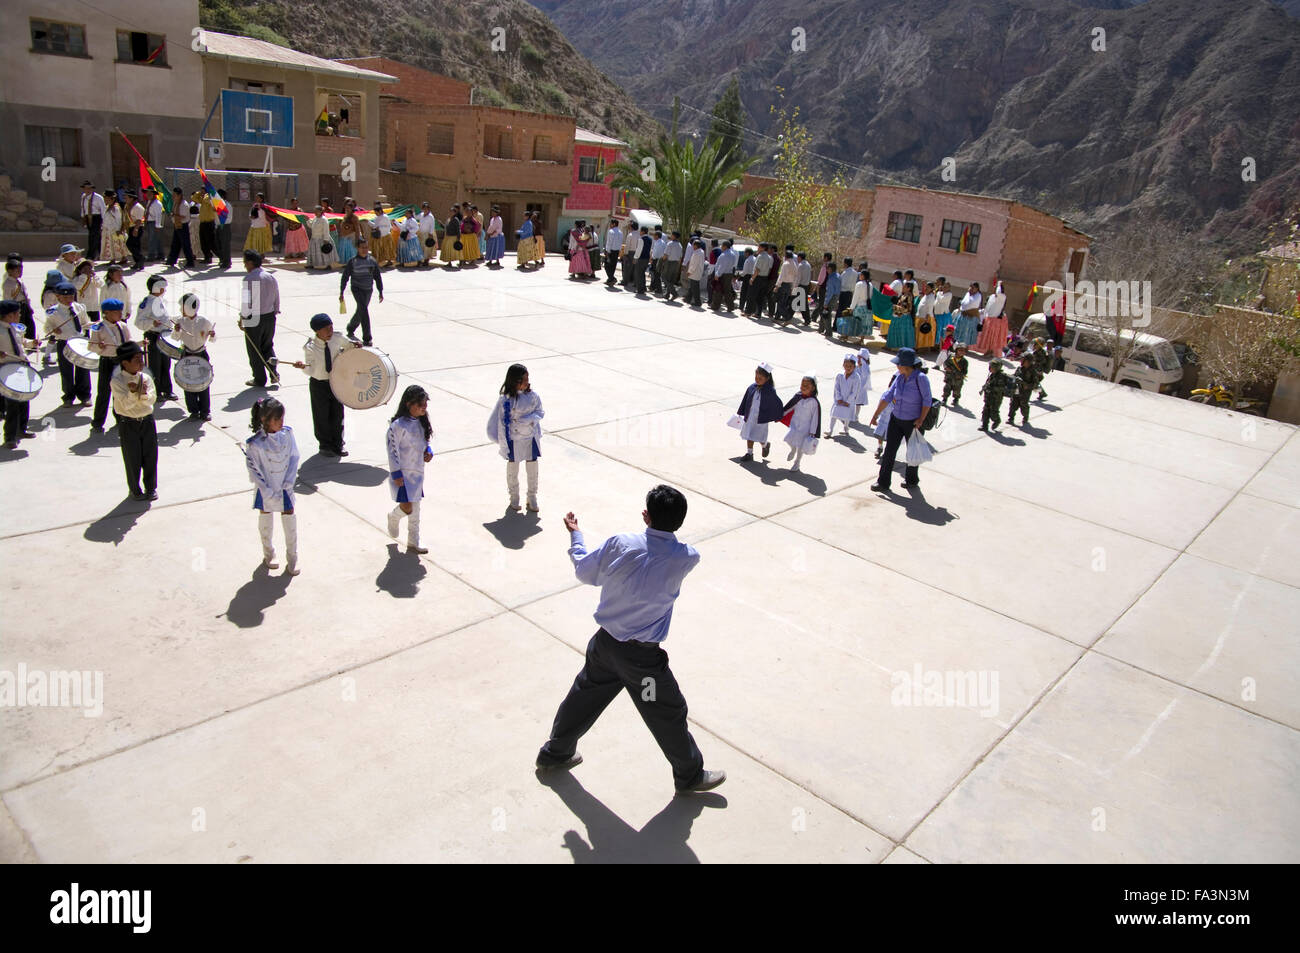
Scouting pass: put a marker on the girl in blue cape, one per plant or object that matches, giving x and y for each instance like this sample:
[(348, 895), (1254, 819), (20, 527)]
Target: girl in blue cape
[(758, 408)]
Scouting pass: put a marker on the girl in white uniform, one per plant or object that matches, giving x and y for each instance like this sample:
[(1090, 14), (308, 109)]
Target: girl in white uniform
[(272, 455), (846, 395), (516, 428), (758, 408), (409, 449), (805, 421), (863, 394)]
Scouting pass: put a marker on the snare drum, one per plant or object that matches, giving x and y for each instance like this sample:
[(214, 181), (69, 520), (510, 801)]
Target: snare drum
[(171, 345), (363, 378), (77, 350), (193, 374), (19, 381)]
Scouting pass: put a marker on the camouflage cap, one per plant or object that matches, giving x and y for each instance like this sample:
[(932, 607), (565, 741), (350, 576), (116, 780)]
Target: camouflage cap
[(996, 362)]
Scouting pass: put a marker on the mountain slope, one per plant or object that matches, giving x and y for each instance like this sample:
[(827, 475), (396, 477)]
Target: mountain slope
[(538, 70), (1011, 89)]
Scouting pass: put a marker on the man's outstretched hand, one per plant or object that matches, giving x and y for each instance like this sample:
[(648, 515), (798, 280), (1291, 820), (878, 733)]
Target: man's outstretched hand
[(570, 522)]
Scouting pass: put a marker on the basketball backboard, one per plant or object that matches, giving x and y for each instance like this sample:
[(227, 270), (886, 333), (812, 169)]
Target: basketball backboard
[(256, 119)]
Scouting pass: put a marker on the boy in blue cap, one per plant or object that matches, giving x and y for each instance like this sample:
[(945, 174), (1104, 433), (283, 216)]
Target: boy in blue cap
[(63, 322), (106, 336)]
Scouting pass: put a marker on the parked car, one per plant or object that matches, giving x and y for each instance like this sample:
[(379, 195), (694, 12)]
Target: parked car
[(1087, 349)]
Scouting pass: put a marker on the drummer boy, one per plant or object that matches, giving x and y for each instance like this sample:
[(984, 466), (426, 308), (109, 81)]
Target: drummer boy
[(106, 335), (12, 351), (319, 355), (151, 318), (63, 322), (194, 332)]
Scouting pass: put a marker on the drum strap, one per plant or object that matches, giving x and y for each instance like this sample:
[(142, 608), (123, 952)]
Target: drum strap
[(13, 337)]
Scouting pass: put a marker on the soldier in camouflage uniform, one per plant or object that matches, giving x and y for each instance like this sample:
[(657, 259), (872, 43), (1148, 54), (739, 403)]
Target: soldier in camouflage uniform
[(1042, 364), (1023, 385), (955, 370), (993, 390)]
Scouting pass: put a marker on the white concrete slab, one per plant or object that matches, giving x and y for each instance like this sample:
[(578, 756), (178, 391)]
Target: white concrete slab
[(1207, 459), (838, 713), (1279, 479), (402, 773), (184, 626), (1143, 501), (1215, 422), (225, 691), (1225, 632), (1008, 556), (1257, 535), (1118, 766)]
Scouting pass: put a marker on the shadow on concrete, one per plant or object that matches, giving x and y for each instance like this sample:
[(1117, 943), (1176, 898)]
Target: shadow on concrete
[(246, 398), (847, 440), (1006, 440), (513, 529), (1036, 432), (813, 484), (764, 471), (959, 409), (402, 574), (183, 429), (1045, 405), (611, 840), (113, 526), (318, 469), (917, 508), (248, 608)]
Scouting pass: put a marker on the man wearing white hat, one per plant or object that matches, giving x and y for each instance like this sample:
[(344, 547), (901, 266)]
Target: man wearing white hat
[(92, 216)]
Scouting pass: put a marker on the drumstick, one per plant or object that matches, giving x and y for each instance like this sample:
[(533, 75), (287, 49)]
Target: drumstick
[(259, 353)]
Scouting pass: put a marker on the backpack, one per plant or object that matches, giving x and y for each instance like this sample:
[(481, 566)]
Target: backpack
[(931, 418)]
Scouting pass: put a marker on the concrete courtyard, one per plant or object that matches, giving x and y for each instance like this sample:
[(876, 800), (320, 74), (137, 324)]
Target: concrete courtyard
[(1075, 642)]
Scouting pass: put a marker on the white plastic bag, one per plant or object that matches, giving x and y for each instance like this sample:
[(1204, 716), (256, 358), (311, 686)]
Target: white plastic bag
[(736, 421), (918, 451)]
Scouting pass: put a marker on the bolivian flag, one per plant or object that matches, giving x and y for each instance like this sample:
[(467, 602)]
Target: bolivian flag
[(965, 239)]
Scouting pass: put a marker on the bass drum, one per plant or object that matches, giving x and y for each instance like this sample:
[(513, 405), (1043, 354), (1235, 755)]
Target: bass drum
[(363, 378), (19, 381), (77, 350), (193, 374)]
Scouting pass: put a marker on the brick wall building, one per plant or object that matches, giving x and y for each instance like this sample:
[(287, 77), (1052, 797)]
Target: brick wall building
[(590, 196), (895, 228), (436, 147)]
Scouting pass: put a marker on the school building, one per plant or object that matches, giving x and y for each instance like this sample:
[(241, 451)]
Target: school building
[(71, 73), (335, 145), (962, 236), (438, 146)]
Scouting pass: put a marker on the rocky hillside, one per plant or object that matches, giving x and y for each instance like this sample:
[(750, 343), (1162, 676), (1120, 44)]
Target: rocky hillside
[(538, 70), (1161, 120)]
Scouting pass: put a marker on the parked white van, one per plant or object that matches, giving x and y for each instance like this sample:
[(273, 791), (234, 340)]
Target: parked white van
[(1087, 350)]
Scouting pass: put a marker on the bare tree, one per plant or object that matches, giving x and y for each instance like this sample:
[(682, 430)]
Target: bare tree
[(1242, 346), (1144, 277)]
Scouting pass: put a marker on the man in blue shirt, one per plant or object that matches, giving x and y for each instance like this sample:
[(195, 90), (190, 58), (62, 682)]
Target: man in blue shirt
[(909, 393), (640, 576)]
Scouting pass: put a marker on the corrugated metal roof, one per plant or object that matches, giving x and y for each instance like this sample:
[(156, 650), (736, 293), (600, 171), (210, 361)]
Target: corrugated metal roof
[(245, 49), (586, 135)]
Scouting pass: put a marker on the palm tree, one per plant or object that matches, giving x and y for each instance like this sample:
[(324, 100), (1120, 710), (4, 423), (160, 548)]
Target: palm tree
[(683, 184)]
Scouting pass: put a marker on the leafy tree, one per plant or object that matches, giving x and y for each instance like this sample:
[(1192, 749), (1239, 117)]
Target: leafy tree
[(682, 182), (799, 210), (728, 124)]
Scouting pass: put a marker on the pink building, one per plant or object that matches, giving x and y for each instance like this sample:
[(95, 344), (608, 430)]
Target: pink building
[(590, 196), (923, 230)]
